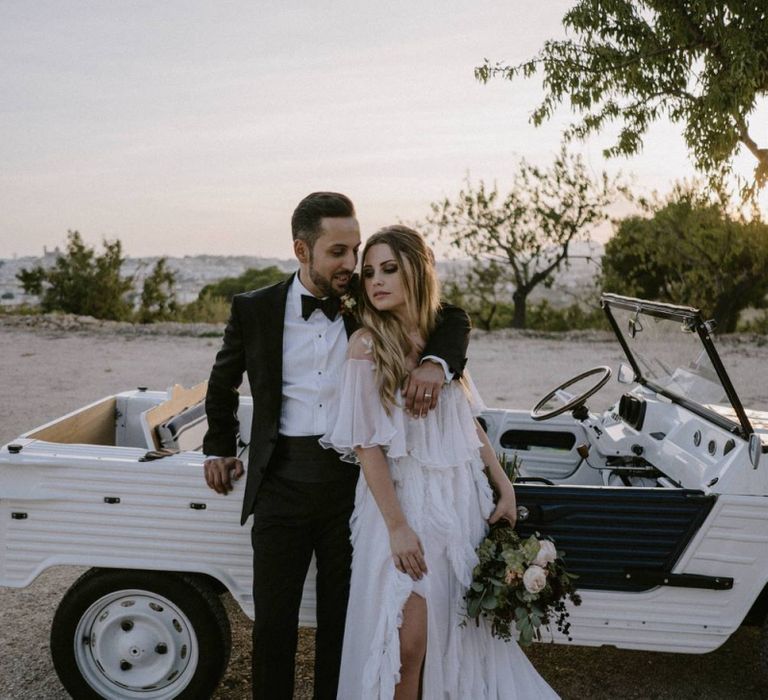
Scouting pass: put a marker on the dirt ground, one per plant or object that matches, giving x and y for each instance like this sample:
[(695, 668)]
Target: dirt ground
[(46, 372)]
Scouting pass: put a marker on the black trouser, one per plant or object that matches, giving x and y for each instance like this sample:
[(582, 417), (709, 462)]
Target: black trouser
[(292, 519)]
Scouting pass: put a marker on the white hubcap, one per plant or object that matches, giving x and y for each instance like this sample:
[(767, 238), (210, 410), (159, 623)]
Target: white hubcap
[(136, 644)]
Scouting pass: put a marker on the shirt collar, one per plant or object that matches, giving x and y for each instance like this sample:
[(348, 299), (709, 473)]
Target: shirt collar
[(295, 293)]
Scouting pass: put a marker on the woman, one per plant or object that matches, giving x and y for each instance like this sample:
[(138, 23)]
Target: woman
[(421, 506)]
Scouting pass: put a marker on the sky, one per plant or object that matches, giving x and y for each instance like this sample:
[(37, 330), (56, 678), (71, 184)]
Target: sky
[(184, 127)]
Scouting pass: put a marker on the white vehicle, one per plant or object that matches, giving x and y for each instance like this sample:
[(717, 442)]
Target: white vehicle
[(660, 502)]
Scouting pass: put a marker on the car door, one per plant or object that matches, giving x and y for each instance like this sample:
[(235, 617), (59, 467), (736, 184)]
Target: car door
[(617, 538), (547, 450)]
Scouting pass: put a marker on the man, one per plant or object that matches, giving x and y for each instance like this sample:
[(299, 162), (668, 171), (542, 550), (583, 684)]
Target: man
[(291, 340)]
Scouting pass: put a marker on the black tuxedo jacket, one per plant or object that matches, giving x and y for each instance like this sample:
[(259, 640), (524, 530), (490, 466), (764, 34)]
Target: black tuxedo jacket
[(253, 344)]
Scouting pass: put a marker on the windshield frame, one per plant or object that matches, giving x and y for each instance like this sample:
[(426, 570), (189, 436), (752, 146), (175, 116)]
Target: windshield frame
[(691, 318)]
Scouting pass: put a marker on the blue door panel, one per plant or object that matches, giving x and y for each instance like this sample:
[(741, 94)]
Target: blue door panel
[(607, 531)]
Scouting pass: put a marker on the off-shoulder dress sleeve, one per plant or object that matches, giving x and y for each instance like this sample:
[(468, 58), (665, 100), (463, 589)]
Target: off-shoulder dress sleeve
[(360, 419), (357, 417)]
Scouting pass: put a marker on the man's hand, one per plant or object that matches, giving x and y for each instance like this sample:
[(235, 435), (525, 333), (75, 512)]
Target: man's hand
[(422, 388), (221, 471)]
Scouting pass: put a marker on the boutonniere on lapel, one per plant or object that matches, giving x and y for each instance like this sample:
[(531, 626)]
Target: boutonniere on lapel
[(349, 300)]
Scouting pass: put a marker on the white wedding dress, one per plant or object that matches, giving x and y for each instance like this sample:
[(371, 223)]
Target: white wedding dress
[(438, 475)]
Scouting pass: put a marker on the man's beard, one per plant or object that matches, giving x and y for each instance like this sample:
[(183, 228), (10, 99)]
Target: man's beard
[(324, 284)]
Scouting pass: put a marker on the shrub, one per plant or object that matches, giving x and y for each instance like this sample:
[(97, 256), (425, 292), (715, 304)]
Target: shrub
[(205, 309), (82, 282), (545, 317), (252, 278)]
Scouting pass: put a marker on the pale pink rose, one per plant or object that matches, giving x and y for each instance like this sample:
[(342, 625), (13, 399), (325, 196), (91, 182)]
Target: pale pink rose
[(534, 579), (547, 553)]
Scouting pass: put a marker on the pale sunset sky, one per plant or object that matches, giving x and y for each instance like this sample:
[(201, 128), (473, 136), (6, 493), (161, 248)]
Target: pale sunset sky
[(188, 127)]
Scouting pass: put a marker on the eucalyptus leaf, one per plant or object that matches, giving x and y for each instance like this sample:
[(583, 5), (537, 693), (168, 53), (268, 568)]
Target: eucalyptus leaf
[(473, 607)]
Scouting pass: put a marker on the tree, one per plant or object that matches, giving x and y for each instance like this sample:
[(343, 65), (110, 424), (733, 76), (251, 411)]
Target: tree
[(82, 282), (158, 294), (701, 63), (691, 251), (212, 303), (252, 278), (528, 231), (481, 289)]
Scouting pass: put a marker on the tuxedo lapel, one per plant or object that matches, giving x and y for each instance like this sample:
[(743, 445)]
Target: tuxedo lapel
[(350, 324), (274, 325)]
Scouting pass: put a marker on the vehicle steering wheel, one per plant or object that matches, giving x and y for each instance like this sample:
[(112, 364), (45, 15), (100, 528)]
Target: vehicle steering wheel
[(569, 400)]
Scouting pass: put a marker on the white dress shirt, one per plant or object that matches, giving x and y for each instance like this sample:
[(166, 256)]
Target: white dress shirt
[(313, 354)]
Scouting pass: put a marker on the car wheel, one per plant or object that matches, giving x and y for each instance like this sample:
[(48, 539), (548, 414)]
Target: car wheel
[(140, 634)]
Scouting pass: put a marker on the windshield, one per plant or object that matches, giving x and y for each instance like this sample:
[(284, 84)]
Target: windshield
[(670, 356)]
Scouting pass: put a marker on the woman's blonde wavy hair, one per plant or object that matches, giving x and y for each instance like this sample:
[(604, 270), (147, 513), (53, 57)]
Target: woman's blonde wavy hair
[(391, 344)]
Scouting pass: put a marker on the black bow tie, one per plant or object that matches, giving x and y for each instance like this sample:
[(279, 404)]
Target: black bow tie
[(329, 306)]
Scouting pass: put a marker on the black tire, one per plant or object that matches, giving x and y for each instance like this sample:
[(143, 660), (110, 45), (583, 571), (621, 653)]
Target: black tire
[(123, 634)]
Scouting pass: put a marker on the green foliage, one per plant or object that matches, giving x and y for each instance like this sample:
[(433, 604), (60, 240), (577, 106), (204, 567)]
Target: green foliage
[(510, 465), (82, 282), (545, 317), (701, 63), (20, 310), (498, 593), (253, 278), (520, 240), (85, 283), (206, 309), (482, 291), (691, 251), (158, 294), (489, 311), (213, 303), (757, 324)]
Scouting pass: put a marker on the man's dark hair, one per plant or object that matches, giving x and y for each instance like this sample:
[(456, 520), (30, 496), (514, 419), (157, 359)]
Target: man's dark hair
[(305, 222)]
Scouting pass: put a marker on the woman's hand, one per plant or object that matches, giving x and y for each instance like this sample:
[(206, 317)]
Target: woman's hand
[(506, 507), (407, 552)]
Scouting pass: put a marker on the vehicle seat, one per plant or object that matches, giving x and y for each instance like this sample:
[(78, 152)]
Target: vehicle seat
[(179, 422), (184, 431)]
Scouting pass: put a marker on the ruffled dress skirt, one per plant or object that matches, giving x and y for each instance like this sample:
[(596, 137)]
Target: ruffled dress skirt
[(438, 475)]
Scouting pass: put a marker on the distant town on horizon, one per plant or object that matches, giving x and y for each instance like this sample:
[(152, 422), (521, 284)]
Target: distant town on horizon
[(193, 272)]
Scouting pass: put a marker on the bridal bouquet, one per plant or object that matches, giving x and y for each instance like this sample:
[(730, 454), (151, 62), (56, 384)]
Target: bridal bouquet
[(520, 582)]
